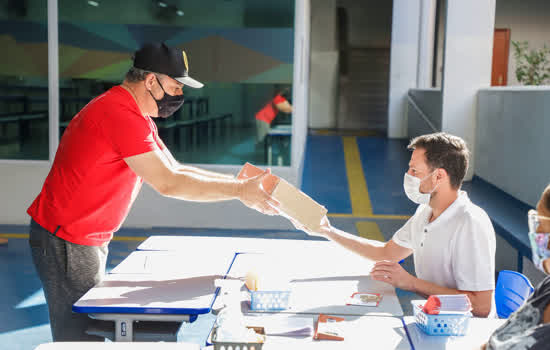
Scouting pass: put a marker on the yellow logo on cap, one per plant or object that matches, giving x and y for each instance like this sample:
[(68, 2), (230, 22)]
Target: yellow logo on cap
[(185, 61)]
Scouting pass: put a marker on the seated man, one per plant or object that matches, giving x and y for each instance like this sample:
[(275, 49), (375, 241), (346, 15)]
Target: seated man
[(452, 239)]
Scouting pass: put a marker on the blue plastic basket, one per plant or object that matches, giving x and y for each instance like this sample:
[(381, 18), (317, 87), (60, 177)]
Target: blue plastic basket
[(444, 324), (262, 300)]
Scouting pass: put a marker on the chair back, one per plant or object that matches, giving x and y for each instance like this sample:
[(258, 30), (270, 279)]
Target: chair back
[(512, 290)]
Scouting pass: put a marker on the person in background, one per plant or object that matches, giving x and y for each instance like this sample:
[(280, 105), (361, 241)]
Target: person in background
[(107, 151), (452, 240), (266, 115), (529, 327), (3, 241)]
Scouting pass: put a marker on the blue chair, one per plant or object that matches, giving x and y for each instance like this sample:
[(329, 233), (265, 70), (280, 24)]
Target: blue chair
[(512, 290)]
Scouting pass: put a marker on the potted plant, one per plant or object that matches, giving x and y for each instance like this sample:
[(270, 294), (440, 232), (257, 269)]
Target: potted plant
[(532, 65)]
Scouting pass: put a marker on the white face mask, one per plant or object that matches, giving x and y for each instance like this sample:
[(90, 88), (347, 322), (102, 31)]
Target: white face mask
[(411, 184)]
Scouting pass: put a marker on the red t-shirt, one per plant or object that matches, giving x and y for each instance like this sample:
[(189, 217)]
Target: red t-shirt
[(269, 112), (90, 188)]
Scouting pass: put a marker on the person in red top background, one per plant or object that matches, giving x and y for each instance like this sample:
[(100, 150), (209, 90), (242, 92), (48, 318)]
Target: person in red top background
[(107, 151), (266, 115)]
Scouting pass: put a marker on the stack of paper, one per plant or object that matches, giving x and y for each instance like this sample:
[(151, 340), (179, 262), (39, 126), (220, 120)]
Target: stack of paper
[(283, 325), (447, 304)]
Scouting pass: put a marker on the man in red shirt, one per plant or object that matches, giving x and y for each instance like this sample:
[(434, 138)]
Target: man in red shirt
[(107, 151), (266, 115)]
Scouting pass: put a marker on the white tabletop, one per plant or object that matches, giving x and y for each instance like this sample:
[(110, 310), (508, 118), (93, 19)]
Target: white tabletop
[(322, 280), (150, 294), (193, 263), (478, 333), (367, 332), (218, 245), (117, 346)]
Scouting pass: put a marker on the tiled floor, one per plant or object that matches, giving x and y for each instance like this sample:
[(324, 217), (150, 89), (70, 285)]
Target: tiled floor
[(380, 162)]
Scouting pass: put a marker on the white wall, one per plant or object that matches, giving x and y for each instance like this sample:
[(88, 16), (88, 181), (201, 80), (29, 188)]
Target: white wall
[(527, 20), (467, 66), (403, 63), (324, 77), (20, 183), (512, 140)]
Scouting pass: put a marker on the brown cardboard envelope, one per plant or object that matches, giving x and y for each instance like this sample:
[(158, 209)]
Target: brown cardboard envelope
[(294, 203)]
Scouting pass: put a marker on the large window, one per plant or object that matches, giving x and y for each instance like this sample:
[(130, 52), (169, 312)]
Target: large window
[(23, 80), (241, 49)]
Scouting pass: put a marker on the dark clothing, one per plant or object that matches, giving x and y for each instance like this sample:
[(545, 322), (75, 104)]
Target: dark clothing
[(67, 271), (524, 328)]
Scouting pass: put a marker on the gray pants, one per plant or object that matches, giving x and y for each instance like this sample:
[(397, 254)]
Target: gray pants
[(262, 128), (67, 271)]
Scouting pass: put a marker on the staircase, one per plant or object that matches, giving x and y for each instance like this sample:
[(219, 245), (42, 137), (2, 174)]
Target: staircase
[(363, 101)]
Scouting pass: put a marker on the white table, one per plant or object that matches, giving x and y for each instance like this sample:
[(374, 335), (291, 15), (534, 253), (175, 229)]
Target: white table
[(322, 280), (478, 333), (125, 298), (161, 263), (220, 245), (116, 346), (280, 132), (367, 332)]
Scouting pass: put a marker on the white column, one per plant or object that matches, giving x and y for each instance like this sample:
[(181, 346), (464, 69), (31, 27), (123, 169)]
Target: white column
[(467, 65), (53, 78), (300, 87), (324, 75), (403, 63), (426, 43)]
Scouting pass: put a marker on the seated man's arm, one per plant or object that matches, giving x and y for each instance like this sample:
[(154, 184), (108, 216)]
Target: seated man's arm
[(155, 169), (481, 300), (392, 273), (370, 249)]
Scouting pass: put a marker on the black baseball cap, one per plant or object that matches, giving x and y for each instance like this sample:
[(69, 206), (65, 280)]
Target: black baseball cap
[(160, 58)]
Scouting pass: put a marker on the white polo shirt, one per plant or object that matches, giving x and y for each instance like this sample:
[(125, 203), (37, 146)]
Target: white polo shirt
[(456, 250)]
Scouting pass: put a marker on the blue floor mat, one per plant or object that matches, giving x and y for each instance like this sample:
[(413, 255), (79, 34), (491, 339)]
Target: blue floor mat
[(324, 178), (385, 162)]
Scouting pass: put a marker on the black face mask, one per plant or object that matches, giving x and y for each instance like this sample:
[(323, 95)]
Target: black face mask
[(168, 104)]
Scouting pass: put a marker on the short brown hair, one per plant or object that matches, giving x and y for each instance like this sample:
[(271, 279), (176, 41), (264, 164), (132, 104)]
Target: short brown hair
[(445, 151)]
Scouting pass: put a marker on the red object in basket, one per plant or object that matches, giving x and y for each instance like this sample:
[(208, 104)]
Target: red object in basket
[(455, 303)]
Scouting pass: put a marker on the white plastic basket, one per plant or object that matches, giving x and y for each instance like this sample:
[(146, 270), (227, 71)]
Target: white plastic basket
[(262, 300), (443, 324)]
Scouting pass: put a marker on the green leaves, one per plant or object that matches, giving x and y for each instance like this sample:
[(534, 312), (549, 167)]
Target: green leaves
[(532, 66)]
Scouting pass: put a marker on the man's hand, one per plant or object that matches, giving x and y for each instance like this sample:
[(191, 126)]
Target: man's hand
[(322, 232), (391, 272), (253, 196)]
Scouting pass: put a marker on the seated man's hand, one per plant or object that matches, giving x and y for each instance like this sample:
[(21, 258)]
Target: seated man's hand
[(322, 232), (253, 196), (393, 273)]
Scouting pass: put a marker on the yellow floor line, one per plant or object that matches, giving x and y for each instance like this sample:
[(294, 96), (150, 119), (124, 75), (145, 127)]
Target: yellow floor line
[(26, 235), (369, 230), (14, 235), (358, 193)]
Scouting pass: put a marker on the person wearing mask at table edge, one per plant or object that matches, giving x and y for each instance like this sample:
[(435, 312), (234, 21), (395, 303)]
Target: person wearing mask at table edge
[(107, 151), (452, 240), (529, 327)]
